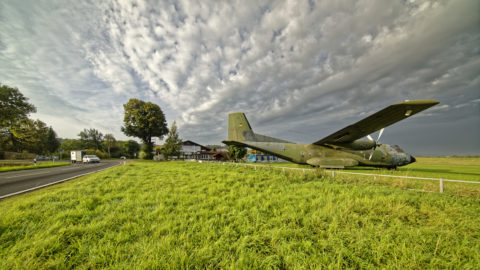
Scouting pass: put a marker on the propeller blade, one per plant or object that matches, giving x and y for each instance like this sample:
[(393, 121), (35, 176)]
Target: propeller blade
[(371, 153), (370, 137), (380, 134)]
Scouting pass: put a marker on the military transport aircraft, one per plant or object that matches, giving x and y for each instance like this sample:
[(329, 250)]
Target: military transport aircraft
[(340, 149)]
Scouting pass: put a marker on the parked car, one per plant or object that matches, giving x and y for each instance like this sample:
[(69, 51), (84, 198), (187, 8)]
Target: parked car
[(40, 158), (123, 157), (90, 159)]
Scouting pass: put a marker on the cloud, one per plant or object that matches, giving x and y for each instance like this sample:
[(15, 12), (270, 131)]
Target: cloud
[(299, 69)]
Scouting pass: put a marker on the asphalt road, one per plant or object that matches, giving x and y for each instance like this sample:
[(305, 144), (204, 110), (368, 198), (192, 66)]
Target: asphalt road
[(17, 182)]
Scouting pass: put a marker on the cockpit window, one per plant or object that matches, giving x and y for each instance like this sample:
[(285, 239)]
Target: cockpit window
[(398, 149)]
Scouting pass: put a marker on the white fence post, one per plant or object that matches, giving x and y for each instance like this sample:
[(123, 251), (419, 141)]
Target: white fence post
[(333, 174), (441, 185)]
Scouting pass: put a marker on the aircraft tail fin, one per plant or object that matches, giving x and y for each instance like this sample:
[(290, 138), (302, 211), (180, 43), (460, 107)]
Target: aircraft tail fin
[(239, 130)]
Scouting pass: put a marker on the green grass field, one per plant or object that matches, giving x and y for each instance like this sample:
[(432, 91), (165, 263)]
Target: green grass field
[(8, 167), (191, 215), (453, 168), (437, 167), (461, 168)]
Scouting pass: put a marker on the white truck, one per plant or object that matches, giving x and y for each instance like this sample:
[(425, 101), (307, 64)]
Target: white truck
[(77, 155)]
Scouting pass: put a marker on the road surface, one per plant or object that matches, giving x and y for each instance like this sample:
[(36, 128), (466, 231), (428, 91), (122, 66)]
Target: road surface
[(17, 182)]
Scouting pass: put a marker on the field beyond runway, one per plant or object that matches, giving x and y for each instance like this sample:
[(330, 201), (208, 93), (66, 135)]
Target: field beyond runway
[(191, 215)]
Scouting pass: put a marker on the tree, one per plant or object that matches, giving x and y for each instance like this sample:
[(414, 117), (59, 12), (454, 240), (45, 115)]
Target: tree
[(236, 152), (131, 147), (91, 138), (109, 142), (144, 120), (52, 143), (14, 109), (71, 144), (173, 143), (18, 132), (29, 135), (13, 106)]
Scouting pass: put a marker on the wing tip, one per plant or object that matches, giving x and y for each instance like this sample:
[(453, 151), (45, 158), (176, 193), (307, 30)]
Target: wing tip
[(430, 102)]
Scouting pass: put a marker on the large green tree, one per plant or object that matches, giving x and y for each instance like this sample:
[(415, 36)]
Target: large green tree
[(144, 120), (13, 106), (14, 110), (173, 143), (18, 132), (29, 135)]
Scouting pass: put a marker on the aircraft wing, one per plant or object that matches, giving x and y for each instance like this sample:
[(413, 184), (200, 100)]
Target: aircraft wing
[(377, 121)]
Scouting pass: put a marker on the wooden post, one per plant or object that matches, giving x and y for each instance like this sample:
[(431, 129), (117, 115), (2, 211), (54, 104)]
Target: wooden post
[(441, 185)]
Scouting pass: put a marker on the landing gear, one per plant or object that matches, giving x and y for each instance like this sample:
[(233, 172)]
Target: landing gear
[(393, 168)]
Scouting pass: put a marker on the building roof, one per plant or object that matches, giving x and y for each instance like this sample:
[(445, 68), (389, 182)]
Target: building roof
[(188, 142)]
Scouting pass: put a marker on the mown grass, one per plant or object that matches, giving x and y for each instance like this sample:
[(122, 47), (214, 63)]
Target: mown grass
[(21, 167), (436, 167), (461, 168), (190, 215)]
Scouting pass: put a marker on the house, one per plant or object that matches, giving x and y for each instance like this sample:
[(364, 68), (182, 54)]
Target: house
[(193, 150)]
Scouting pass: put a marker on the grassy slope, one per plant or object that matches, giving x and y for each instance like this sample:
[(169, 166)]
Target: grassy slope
[(172, 215)]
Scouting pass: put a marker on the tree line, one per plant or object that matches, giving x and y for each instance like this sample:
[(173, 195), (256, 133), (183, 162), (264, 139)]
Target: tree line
[(144, 120), (95, 143)]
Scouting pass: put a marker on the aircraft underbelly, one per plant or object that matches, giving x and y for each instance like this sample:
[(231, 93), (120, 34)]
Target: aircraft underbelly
[(332, 162)]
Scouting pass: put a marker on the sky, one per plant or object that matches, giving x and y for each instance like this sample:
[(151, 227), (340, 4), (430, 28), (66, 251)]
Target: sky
[(299, 70)]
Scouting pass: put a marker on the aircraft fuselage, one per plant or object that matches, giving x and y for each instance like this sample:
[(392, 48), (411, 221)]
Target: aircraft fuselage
[(329, 157)]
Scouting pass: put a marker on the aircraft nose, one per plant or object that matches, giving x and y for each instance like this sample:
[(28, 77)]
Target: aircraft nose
[(412, 159)]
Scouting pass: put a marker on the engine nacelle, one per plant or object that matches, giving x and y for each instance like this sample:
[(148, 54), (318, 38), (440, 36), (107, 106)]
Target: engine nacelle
[(358, 145)]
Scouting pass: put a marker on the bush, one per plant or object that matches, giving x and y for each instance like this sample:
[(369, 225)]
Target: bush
[(101, 154), (143, 155), (98, 153)]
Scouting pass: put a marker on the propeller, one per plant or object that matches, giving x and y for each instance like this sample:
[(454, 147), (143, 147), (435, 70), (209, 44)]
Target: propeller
[(376, 142)]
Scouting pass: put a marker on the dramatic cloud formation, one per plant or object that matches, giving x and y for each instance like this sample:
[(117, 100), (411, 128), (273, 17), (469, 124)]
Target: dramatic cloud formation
[(300, 70)]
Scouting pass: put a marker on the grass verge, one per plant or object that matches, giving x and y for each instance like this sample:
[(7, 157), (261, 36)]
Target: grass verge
[(20, 167), (190, 215)]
